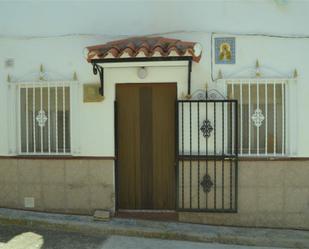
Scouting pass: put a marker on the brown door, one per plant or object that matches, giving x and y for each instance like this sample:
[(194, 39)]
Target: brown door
[(146, 145)]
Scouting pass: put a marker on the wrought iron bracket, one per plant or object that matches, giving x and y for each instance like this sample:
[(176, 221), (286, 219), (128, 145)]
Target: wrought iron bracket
[(98, 69)]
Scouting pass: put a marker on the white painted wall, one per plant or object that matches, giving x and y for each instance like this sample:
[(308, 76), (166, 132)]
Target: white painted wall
[(61, 56), (94, 127), (139, 17), (278, 57)]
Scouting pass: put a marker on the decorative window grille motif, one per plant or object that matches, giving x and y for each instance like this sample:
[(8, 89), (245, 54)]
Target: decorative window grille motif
[(206, 128), (44, 116), (258, 117), (262, 115)]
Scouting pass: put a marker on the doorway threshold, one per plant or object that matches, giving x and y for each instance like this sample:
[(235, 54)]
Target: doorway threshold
[(148, 214)]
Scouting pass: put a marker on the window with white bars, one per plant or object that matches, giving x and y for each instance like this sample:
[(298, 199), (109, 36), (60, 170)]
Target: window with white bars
[(44, 118), (261, 115)]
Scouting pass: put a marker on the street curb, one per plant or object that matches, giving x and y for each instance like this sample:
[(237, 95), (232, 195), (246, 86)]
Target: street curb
[(156, 229)]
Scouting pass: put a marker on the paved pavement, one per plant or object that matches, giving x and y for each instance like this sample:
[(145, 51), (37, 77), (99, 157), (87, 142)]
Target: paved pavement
[(17, 237), (285, 238)]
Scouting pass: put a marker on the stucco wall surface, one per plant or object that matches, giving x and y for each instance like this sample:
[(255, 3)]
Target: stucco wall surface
[(270, 194), (93, 123), (65, 186), (143, 17)]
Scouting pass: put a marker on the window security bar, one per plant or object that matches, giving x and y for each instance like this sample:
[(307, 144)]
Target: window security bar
[(44, 118), (262, 115)]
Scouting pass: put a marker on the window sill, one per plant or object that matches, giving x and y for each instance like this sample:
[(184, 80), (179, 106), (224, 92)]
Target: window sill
[(272, 158), (57, 157)]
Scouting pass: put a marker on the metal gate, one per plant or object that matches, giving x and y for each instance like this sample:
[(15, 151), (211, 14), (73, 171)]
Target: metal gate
[(207, 155)]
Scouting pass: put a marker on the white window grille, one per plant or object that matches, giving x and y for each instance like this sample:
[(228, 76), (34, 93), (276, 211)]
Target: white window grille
[(44, 118), (261, 115)]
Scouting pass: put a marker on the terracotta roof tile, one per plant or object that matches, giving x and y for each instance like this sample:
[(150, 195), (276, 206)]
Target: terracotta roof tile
[(148, 45)]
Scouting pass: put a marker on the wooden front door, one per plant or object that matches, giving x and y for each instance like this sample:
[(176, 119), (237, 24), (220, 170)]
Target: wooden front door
[(146, 145)]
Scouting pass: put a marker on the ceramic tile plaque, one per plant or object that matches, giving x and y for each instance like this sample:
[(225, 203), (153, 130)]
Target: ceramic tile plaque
[(91, 93), (225, 50)]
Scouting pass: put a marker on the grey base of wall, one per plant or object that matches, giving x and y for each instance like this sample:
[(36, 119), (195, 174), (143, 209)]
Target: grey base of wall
[(75, 186), (272, 194), (155, 229)]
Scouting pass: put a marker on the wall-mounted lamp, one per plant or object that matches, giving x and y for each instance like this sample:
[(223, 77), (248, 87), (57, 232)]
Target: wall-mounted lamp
[(142, 73)]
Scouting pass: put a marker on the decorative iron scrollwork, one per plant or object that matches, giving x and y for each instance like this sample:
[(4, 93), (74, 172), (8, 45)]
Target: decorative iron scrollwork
[(211, 94), (199, 95), (98, 69), (258, 117), (206, 128), (214, 94), (207, 183), (41, 118)]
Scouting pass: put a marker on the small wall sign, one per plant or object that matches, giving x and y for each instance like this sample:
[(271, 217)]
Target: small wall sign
[(225, 50), (91, 93)]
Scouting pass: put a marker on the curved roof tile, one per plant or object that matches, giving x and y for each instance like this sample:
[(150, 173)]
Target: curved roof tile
[(148, 45)]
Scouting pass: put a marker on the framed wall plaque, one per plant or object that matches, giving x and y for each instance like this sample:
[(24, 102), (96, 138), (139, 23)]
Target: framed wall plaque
[(225, 50), (91, 93)]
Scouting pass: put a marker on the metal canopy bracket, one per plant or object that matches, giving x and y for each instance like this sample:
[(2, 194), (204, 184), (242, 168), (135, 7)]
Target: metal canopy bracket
[(98, 69)]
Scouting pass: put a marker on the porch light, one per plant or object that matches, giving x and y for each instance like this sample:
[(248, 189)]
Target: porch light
[(142, 73), (197, 49)]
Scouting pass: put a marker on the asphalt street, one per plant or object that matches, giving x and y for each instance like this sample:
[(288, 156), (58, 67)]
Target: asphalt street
[(16, 237)]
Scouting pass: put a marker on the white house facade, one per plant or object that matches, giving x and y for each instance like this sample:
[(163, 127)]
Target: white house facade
[(211, 127)]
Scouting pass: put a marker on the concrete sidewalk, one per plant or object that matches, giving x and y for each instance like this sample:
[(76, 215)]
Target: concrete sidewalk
[(157, 229)]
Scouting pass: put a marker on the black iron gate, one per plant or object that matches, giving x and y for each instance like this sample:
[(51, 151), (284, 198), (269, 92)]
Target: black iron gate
[(207, 155)]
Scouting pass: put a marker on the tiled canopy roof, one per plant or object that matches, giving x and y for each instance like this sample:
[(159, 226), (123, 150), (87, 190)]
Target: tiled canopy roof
[(145, 47)]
